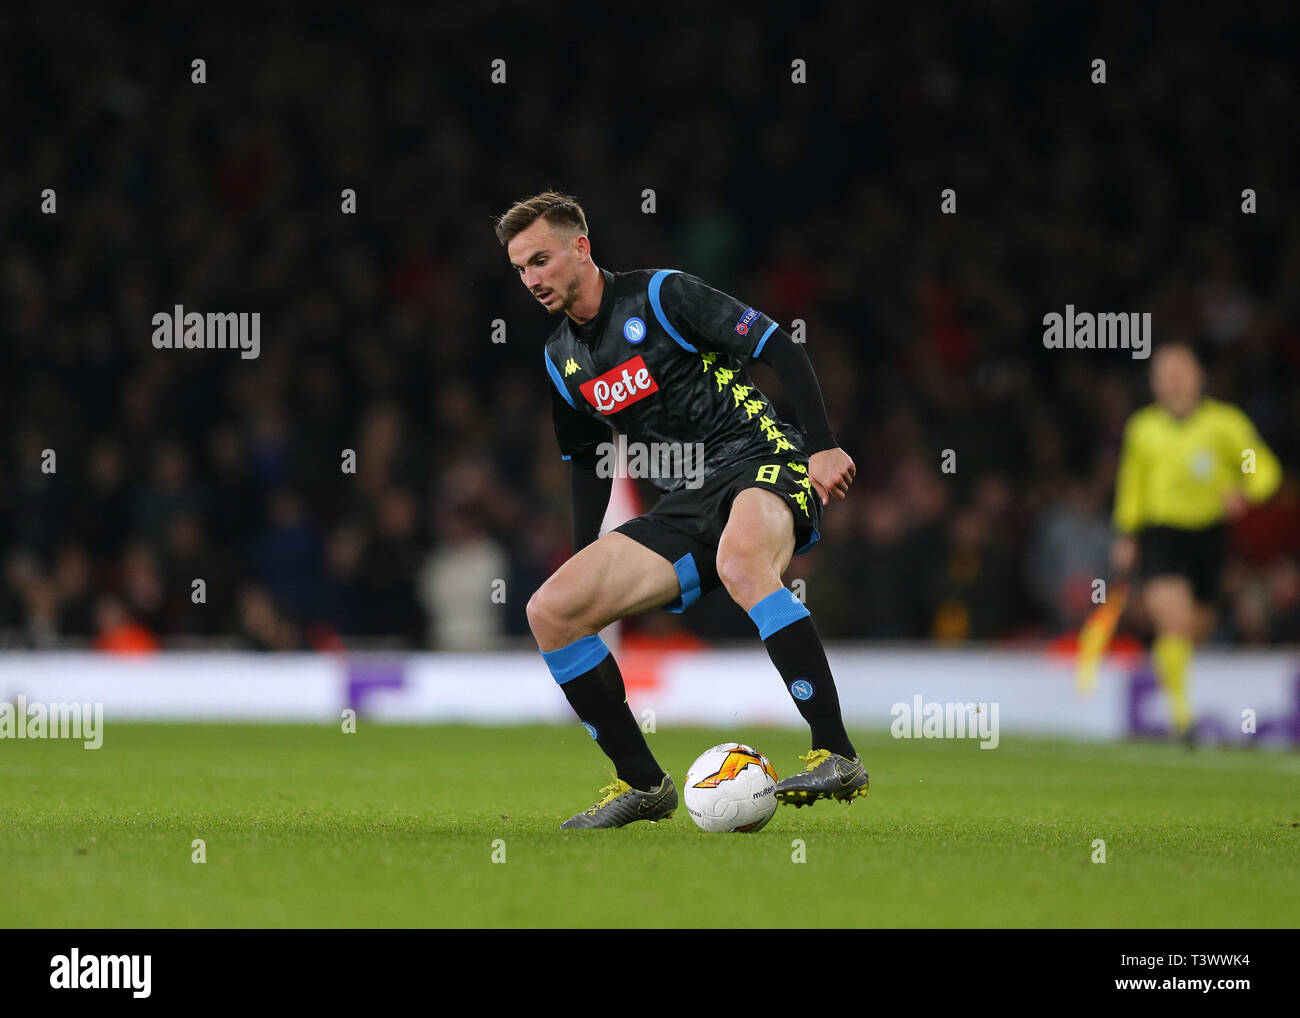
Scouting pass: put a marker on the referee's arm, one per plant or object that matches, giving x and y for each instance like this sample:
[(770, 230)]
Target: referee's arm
[(1259, 469), (1127, 517)]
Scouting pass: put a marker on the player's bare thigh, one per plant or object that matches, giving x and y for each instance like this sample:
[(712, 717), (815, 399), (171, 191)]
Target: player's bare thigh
[(610, 579), (756, 546)]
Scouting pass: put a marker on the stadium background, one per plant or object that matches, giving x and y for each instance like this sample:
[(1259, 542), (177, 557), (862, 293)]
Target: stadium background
[(816, 201)]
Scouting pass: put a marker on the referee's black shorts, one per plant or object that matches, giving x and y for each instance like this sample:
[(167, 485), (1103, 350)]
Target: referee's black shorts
[(686, 525), (1198, 555)]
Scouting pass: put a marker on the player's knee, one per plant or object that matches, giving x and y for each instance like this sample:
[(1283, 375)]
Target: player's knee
[(552, 618), (544, 616), (743, 578)]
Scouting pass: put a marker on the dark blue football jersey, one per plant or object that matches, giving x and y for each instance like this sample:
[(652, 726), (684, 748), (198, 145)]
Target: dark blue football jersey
[(664, 361)]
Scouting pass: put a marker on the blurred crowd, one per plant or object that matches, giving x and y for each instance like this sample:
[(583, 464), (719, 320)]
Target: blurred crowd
[(127, 472)]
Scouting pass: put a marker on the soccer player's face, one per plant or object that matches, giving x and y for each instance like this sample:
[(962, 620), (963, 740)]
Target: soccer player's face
[(546, 261), (1176, 380)]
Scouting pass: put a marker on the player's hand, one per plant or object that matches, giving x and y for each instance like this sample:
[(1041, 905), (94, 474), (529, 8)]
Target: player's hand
[(832, 472), (1123, 555)]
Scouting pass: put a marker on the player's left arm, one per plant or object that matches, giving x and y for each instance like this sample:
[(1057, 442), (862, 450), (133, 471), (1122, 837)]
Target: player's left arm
[(830, 467), (1249, 458), (717, 321)]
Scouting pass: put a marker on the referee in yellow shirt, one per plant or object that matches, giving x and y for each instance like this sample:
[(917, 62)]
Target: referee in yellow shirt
[(1188, 463)]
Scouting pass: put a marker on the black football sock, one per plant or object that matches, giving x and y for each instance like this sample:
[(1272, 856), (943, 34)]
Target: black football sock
[(795, 647), (593, 685)]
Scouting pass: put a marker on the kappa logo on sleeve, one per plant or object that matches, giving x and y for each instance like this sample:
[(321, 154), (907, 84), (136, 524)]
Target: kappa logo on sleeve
[(746, 320), (620, 386)]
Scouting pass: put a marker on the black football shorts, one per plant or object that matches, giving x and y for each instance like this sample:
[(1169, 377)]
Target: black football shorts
[(1198, 555), (686, 525)]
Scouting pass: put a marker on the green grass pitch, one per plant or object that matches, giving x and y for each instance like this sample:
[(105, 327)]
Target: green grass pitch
[(395, 826)]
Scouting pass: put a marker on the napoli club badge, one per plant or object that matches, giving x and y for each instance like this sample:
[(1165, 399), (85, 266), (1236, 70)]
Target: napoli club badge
[(634, 330)]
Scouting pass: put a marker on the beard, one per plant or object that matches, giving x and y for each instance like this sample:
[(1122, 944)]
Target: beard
[(564, 300)]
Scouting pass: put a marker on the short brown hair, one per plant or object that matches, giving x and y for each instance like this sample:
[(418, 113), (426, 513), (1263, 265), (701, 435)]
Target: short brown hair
[(557, 209)]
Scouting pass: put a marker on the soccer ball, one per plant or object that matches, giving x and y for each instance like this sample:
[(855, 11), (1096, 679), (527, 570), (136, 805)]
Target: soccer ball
[(731, 788)]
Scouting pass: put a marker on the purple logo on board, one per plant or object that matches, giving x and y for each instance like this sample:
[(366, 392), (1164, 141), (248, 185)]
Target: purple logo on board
[(1146, 716), (364, 677)]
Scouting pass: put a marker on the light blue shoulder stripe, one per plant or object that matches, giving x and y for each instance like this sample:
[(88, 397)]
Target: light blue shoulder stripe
[(657, 281), (759, 349), (555, 377)]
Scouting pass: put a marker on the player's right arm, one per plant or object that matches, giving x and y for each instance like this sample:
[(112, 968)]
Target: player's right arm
[(590, 501), (579, 438)]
